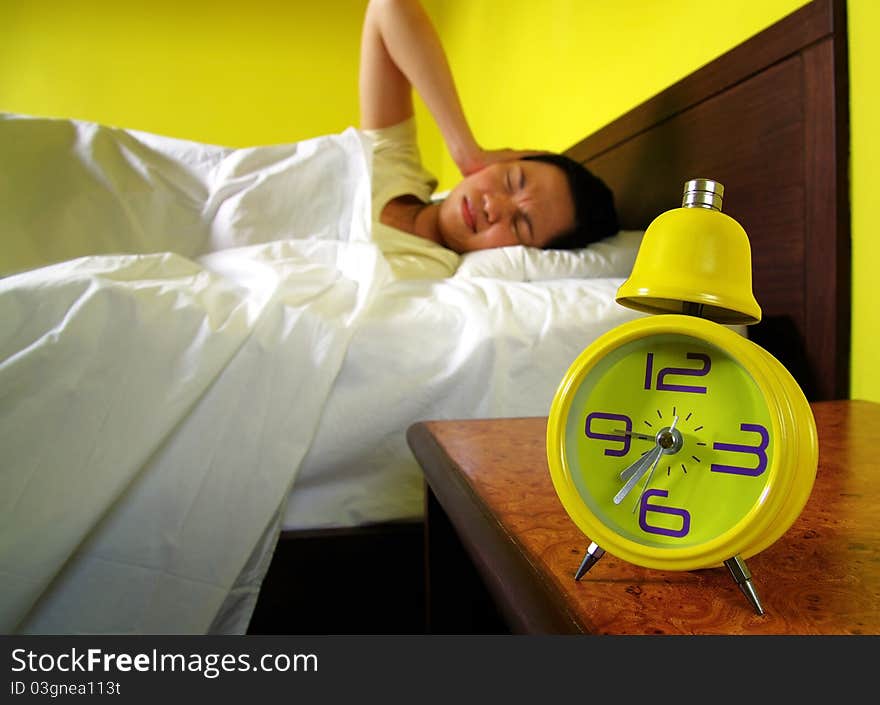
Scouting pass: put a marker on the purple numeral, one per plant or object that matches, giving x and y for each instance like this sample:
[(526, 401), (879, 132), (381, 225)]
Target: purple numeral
[(616, 437), (759, 450), (649, 371), (646, 507), (664, 386)]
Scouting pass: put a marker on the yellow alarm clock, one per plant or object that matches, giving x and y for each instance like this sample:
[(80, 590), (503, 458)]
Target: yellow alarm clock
[(673, 441)]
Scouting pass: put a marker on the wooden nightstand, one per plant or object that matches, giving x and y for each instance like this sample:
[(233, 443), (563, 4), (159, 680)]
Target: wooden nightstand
[(490, 478)]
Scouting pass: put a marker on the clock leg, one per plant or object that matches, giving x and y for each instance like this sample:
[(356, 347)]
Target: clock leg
[(593, 554), (743, 578)]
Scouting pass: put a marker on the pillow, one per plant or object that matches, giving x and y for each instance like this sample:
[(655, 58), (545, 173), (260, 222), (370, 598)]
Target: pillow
[(612, 257)]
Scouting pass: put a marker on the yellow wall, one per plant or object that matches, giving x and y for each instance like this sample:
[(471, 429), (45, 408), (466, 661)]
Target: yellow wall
[(530, 74), (864, 64), (546, 74), (225, 71)]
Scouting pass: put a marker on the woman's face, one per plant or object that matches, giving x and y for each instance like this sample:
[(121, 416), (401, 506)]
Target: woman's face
[(508, 203)]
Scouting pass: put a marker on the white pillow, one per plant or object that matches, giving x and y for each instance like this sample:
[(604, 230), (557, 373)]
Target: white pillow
[(612, 257)]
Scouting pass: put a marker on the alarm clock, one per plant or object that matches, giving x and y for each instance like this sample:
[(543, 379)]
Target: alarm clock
[(673, 441)]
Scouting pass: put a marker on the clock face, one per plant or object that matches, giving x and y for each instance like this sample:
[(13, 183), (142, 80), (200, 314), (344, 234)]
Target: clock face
[(669, 441)]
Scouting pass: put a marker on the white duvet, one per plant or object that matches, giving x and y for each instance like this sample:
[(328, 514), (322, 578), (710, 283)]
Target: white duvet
[(200, 344)]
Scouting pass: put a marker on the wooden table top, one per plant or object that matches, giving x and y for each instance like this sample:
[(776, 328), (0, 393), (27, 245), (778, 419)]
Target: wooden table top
[(821, 577)]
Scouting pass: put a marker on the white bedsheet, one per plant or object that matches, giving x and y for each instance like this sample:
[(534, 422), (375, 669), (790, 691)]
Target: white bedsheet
[(235, 358), (452, 348)]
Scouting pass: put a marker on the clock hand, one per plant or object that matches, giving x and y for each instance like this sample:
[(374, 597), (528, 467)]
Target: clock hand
[(648, 481), (661, 443), (637, 470), (627, 473), (633, 434)]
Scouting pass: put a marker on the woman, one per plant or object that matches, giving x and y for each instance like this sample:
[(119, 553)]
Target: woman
[(507, 197)]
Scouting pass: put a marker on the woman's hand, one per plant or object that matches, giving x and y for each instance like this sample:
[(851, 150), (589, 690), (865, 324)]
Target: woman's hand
[(481, 158), (400, 50)]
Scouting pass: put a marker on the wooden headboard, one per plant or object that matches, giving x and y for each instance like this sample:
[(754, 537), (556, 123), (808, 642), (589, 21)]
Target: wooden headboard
[(769, 120)]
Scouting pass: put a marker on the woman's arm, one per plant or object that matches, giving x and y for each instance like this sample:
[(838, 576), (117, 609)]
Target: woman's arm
[(400, 50)]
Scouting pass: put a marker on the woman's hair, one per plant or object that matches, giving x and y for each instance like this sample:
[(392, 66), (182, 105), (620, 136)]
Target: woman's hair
[(594, 214)]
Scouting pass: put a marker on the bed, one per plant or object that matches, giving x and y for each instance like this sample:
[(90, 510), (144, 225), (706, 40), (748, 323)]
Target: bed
[(769, 120), (206, 384)]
